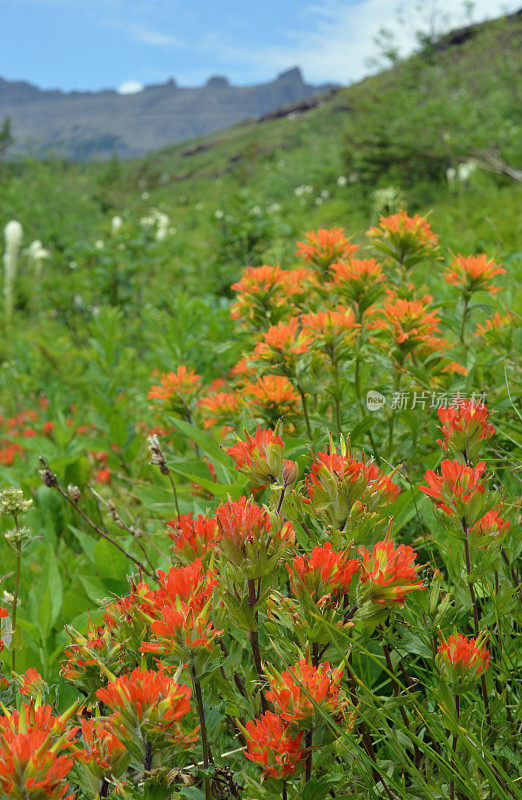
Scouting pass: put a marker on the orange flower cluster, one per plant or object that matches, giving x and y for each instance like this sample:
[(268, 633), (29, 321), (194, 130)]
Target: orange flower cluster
[(388, 575), (194, 538), (325, 575), (409, 324), (489, 530), (34, 754), (339, 485), (84, 655), (464, 429), (296, 692), (406, 240), (270, 743), (103, 752), (456, 486), (472, 273), (274, 397), (497, 330), (177, 390), (269, 292), (262, 458), (331, 331), (220, 408), (359, 280), (282, 343), (324, 248), (402, 223), (31, 683), (179, 612), (152, 705), (462, 661)]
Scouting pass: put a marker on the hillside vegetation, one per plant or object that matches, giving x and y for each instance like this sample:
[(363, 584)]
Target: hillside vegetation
[(236, 560)]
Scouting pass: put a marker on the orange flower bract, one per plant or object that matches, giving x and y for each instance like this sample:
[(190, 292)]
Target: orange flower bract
[(270, 743), (324, 247), (456, 485), (472, 273), (388, 575), (294, 691), (462, 661), (150, 702), (325, 574)]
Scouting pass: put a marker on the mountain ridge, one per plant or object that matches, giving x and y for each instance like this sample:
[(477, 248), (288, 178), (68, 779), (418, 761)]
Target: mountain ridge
[(96, 125)]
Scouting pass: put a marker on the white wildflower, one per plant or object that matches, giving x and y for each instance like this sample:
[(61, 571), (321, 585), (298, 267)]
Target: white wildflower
[(13, 236), (116, 223)]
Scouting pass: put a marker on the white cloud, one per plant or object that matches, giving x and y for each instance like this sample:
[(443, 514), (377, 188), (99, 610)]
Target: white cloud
[(130, 87), (339, 37), (155, 38)]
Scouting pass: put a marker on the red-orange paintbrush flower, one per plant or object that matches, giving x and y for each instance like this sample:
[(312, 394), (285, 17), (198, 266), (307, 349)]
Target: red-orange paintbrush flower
[(177, 390), (270, 743), (489, 531), (103, 752), (35, 756), (472, 273), (325, 575), (260, 295), (464, 429), (325, 247), (339, 486), (251, 539), (282, 344), (149, 706), (273, 397), (359, 280), (457, 489), (462, 661), (409, 324), (406, 240), (194, 537), (260, 456), (293, 692), (386, 577), (219, 408)]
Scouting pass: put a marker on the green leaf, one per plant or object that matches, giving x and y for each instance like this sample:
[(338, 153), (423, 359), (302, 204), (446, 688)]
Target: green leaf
[(110, 562), (87, 542), (50, 579), (44, 614), (208, 445), (94, 588), (192, 793)]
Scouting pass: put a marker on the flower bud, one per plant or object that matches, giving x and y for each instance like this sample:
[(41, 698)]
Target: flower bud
[(12, 502)]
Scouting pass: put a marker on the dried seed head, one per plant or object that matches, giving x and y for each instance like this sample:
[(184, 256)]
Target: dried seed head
[(74, 492), (49, 478)]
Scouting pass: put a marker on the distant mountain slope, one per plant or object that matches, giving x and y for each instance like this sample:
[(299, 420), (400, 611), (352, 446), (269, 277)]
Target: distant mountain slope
[(94, 125)]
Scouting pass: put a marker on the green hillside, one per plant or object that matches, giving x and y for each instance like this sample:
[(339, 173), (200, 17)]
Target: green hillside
[(245, 194)]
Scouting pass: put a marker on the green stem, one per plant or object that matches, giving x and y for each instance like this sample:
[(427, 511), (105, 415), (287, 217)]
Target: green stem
[(309, 759), (15, 602), (475, 616), (396, 389), (454, 747), (203, 727), (464, 317), (305, 410), (254, 644), (335, 373)]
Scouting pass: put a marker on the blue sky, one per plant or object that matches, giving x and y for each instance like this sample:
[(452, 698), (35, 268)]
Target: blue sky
[(94, 44)]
